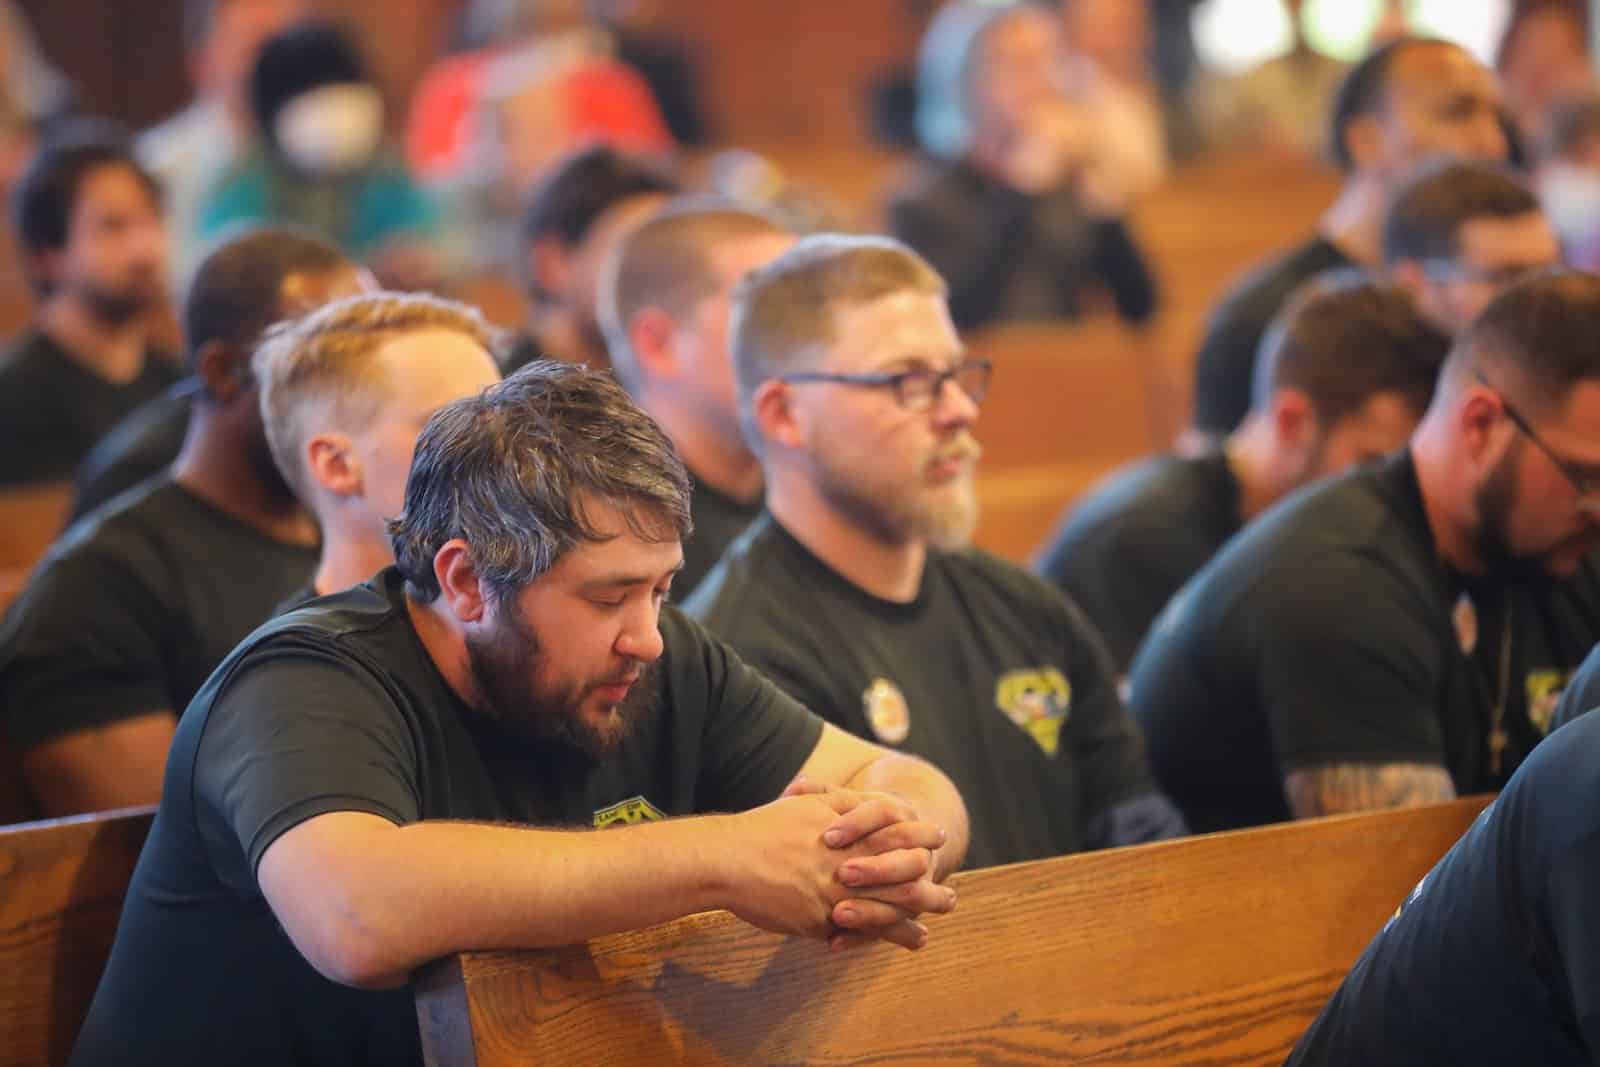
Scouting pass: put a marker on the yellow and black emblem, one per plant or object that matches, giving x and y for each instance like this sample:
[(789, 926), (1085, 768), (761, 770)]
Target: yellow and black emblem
[(886, 711), (1544, 693), (1036, 700), (627, 812)]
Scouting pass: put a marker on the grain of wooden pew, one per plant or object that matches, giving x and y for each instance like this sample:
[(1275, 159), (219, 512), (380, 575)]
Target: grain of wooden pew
[(1217, 949), (62, 882)]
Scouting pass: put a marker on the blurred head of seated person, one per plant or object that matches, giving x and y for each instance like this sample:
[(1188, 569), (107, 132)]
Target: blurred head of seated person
[(1348, 370), (1543, 60), (858, 593), (191, 150), (1400, 634), (664, 305), (1459, 234), (390, 774), (1015, 206), (321, 161), (575, 218), (139, 601), (1568, 178), (1406, 103), (88, 222), (279, 273), (1503, 927), (344, 393)]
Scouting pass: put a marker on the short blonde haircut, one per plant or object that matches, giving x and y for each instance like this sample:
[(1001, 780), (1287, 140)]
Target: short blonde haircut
[(667, 262), (319, 369), (784, 314)]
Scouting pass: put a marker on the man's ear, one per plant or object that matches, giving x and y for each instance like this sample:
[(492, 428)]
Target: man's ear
[(42, 267), (1478, 414), (1363, 141), (332, 463), (775, 415), (650, 334), (458, 581), (223, 369), (550, 265), (1294, 419)]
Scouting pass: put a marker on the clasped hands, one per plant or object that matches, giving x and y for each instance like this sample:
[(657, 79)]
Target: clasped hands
[(887, 860)]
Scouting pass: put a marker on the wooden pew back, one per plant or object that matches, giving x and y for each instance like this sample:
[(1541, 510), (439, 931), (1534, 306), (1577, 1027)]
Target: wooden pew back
[(1069, 403), (1217, 949), (62, 882), (30, 518)]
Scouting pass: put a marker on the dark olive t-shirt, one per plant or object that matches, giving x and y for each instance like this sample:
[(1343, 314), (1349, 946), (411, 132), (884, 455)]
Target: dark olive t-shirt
[(1495, 956), (1224, 372), (1126, 548), (718, 519), (990, 674), (337, 706), (138, 448), (53, 409), (132, 609), (1330, 632)]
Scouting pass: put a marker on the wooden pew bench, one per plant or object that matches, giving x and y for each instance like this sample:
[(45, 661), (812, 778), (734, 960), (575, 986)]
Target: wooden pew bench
[(62, 882), (1217, 949)]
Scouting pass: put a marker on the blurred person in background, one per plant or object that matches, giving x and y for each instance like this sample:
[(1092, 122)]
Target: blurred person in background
[(304, 272), (33, 95), (664, 304), (192, 150), (546, 80), (1568, 178), (88, 220), (574, 220), (1347, 372), (1280, 105), (1110, 48), (1543, 60), (1014, 209), (138, 602), (1407, 102), (1459, 234), (321, 161)]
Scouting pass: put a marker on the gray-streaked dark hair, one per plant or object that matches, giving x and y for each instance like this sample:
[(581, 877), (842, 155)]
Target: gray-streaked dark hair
[(507, 472)]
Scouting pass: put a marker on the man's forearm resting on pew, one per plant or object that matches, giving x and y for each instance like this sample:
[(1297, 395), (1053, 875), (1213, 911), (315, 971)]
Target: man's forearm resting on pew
[(367, 902), (1336, 789)]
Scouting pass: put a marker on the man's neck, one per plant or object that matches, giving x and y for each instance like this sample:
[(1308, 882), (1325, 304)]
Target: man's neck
[(213, 465), (1354, 224), (887, 571), (717, 458), (1249, 452), (1445, 499), (113, 351), (349, 557)]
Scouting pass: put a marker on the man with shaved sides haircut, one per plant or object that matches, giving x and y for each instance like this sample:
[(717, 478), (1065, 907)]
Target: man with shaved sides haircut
[(1400, 635), (1346, 372), (664, 306)]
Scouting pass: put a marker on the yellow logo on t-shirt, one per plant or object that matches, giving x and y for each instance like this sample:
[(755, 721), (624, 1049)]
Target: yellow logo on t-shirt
[(887, 713), (627, 812), (1037, 700), (1544, 693)]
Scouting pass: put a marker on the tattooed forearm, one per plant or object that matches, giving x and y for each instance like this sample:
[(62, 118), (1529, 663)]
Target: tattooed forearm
[(1345, 787)]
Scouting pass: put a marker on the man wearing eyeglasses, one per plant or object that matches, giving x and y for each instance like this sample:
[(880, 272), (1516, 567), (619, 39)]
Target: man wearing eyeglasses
[(858, 593), (1401, 635), (1458, 235)]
